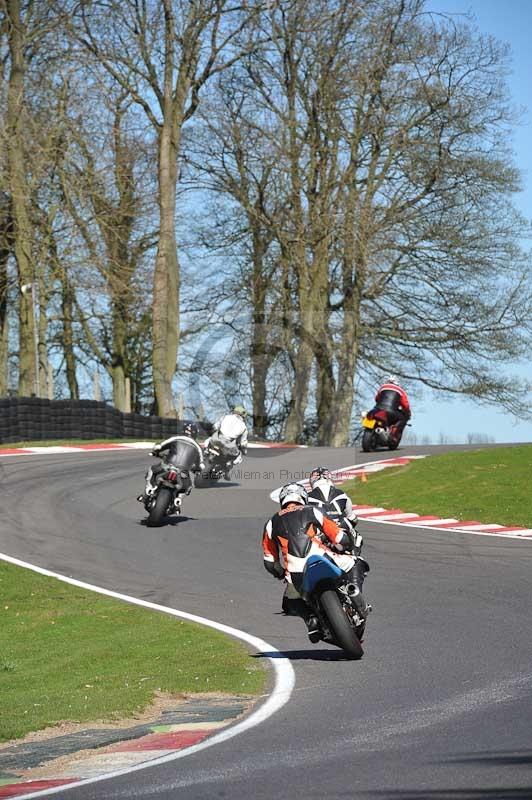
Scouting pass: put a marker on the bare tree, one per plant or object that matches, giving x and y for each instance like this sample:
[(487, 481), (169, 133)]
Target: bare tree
[(6, 245), (18, 188), (400, 240), (162, 54), (30, 143), (232, 159), (107, 193)]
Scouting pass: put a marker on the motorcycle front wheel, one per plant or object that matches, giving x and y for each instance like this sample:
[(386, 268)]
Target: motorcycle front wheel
[(340, 626), (368, 441), (159, 507)]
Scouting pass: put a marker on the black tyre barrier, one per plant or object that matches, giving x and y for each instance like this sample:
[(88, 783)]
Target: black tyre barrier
[(37, 419)]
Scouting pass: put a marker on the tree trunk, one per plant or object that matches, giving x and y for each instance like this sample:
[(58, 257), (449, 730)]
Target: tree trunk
[(67, 307), (118, 368), (260, 355), (42, 324), (20, 196), (166, 279), (6, 231)]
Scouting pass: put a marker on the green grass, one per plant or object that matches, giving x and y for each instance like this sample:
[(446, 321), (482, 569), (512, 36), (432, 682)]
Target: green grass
[(67, 654), (66, 442), (491, 485)]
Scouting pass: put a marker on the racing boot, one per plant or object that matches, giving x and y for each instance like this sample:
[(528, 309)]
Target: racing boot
[(296, 607), (144, 498), (356, 576), (313, 628)]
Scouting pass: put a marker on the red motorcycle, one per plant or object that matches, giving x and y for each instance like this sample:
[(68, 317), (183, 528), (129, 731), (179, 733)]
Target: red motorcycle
[(380, 429)]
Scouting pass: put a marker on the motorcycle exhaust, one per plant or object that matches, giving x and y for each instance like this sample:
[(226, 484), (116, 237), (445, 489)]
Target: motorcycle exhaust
[(351, 589)]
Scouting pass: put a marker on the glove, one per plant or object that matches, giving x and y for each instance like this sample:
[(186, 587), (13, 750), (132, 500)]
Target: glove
[(202, 466), (278, 571), (155, 452)]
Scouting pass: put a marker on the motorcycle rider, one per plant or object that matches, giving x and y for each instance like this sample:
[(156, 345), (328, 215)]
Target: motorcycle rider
[(333, 502), (230, 433), (183, 451), (297, 531), (392, 398)]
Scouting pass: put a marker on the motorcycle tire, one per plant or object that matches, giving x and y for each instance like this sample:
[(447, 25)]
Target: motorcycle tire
[(340, 626), (200, 481), (368, 441), (394, 441), (159, 508)]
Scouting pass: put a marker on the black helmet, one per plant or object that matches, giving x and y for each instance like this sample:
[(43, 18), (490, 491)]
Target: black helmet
[(190, 429)]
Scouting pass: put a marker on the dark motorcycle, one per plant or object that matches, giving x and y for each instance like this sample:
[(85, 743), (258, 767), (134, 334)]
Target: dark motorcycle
[(216, 464), (327, 589), (170, 483), (378, 430)]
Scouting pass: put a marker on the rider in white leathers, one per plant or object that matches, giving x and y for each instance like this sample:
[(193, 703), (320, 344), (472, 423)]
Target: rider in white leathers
[(230, 433)]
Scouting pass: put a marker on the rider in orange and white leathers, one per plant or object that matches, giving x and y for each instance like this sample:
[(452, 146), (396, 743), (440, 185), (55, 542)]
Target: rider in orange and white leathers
[(298, 531)]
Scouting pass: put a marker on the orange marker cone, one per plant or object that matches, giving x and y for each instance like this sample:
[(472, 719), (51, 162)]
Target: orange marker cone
[(363, 477)]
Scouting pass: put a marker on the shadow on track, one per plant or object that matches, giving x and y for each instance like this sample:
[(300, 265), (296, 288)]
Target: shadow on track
[(497, 758), (215, 485), (502, 793), (305, 655), (169, 522), (484, 758)]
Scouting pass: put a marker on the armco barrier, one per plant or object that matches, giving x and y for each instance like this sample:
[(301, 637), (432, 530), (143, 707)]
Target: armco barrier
[(36, 419)]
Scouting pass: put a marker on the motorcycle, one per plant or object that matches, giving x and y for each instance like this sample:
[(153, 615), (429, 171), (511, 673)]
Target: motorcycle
[(165, 498), (327, 589), (217, 463), (378, 431)]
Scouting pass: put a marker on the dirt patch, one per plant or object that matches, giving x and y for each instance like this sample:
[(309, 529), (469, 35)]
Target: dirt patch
[(162, 702)]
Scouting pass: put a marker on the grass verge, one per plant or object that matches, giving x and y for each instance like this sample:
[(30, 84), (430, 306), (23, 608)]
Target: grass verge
[(67, 654), (491, 485)]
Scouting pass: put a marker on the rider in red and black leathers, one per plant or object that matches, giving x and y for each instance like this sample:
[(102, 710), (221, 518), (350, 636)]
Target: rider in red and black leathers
[(393, 399), (291, 535)]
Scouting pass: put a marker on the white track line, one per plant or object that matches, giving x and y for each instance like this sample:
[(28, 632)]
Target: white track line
[(343, 473), (117, 447), (401, 518), (430, 526), (282, 690)]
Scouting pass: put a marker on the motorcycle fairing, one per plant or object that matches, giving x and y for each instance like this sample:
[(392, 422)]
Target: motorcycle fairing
[(317, 569)]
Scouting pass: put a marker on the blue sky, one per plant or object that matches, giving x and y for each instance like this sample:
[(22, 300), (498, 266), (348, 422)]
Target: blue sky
[(511, 22)]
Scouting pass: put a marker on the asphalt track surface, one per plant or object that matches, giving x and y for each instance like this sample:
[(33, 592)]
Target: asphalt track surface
[(440, 706)]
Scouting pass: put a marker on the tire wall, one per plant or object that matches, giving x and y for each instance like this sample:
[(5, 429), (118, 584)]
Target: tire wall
[(26, 419)]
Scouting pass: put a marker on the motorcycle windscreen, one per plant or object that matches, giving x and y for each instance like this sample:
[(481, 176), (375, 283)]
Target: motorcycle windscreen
[(183, 455)]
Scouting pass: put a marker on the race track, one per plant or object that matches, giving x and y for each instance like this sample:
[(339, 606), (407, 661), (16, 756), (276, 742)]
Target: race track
[(440, 706)]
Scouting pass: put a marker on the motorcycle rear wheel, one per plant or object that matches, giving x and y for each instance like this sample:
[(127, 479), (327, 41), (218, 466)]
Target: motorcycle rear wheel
[(368, 441), (158, 509), (340, 626)]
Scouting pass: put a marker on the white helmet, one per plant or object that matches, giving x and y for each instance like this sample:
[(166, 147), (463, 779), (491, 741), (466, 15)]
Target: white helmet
[(293, 493), (321, 474)]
